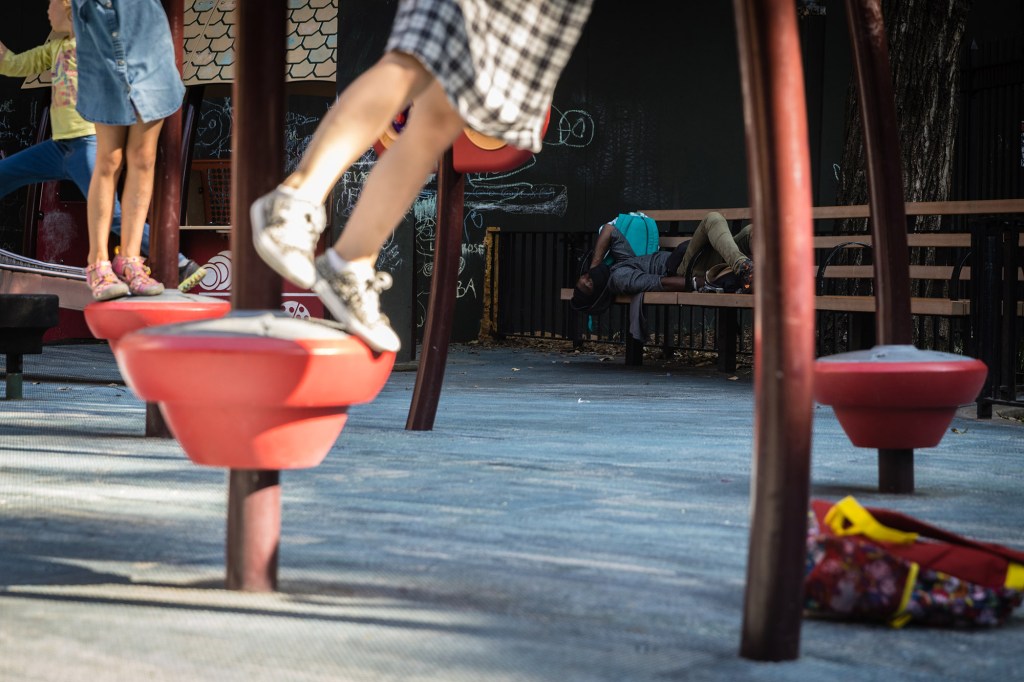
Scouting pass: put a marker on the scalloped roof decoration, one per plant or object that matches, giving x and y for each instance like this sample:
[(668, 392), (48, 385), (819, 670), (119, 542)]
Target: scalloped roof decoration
[(209, 42)]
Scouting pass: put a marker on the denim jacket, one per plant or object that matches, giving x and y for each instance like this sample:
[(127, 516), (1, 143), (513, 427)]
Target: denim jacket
[(126, 68)]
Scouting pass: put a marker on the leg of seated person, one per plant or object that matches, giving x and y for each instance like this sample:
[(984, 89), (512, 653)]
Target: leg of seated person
[(698, 258), (723, 242)]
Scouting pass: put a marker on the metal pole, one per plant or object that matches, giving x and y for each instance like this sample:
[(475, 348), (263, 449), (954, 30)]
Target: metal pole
[(893, 322), (779, 177), (254, 497), (438, 330), (885, 179), (165, 211)]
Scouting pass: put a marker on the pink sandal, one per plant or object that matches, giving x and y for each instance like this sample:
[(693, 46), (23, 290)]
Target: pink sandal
[(103, 283), (133, 272)]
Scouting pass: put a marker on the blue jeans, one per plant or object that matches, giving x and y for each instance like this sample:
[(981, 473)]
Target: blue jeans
[(72, 159)]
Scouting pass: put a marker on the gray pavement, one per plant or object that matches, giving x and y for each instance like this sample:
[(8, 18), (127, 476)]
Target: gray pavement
[(568, 518)]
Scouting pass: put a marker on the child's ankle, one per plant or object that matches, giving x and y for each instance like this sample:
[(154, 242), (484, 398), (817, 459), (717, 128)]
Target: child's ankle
[(362, 268)]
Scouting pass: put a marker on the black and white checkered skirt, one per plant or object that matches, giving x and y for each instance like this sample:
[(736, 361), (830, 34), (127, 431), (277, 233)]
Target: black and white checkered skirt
[(497, 60)]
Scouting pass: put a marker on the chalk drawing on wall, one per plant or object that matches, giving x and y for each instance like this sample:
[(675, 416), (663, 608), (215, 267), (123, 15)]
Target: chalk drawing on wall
[(575, 128), (213, 132)]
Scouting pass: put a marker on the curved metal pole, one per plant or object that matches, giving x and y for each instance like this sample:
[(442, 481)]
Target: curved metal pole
[(779, 177), (885, 180), (893, 320), (438, 330)]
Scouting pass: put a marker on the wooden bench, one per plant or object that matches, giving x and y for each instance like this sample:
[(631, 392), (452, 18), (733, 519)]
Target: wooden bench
[(952, 277)]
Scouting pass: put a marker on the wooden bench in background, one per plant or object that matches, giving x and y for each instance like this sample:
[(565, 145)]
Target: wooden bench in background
[(951, 279)]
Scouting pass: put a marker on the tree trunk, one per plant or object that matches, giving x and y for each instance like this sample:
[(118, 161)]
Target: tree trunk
[(924, 50)]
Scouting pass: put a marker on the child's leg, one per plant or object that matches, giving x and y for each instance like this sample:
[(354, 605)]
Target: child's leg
[(140, 158), (287, 222), (110, 142), (363, 111), (346, 281), (399, 175)]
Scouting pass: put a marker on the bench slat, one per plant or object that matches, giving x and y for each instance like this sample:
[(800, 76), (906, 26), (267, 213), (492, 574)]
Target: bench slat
[(912, 208), (852, 304)]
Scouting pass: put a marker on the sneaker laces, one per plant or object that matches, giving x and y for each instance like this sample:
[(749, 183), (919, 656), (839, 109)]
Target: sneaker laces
[(362, 297)]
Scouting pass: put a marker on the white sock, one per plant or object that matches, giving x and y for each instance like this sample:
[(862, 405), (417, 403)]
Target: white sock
[(296, 193), (362, 270)]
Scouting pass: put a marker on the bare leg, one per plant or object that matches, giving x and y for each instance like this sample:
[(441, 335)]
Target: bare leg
[(140, 155), (100, 208), (360, 116), (399, 175)]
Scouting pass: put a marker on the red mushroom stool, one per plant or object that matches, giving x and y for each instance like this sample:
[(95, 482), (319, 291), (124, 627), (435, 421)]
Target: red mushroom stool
[(275, 390), (111, 320), (896, 397)]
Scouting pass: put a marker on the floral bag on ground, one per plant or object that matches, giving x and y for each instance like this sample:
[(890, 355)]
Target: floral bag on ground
[(873, 564)]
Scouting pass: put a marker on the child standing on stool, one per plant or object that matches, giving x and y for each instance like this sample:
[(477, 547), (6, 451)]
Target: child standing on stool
[(489, 64), (128, 83), (70, 153)]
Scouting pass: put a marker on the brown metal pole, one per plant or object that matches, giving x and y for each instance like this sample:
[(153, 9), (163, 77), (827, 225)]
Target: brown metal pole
[(893, 321), (164, 226), (165, 212), (438, 330), (885, 180), (254, 497), (779, 177)]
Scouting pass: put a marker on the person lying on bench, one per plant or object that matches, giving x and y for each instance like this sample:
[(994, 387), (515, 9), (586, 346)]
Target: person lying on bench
[(712, 260)]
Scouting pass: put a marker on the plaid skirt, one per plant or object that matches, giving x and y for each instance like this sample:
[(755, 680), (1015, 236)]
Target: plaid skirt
[(497, 60)]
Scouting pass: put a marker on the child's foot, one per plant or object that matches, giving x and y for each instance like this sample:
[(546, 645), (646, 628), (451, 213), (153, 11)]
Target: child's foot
[(190, 274), (354, 301), (133, 272), (285, 230), (103, 283)]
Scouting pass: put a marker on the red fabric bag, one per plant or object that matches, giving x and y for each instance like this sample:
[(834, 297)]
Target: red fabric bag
[(877, 564)]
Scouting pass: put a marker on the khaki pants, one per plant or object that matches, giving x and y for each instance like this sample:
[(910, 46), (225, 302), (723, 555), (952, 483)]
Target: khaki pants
[(714, 231)]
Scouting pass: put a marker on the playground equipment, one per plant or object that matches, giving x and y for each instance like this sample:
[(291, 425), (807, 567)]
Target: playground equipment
[(276, 390), (24, 318), (896, 397), (111, 320)]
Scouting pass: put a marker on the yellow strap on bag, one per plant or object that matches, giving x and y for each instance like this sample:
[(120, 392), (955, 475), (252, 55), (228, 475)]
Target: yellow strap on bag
[(847, 517), (1015, 576), (901, 617)]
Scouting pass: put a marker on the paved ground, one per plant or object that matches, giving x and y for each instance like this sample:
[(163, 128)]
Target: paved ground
[(568, 519)]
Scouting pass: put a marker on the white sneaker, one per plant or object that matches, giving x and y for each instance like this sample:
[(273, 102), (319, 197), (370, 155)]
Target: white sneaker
[(355, 304), (285, 230)]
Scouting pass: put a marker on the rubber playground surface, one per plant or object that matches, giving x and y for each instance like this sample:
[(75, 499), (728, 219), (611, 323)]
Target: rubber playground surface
[(568, 518)]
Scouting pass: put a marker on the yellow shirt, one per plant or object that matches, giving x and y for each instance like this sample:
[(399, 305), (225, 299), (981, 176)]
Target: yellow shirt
[(59, 58)]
